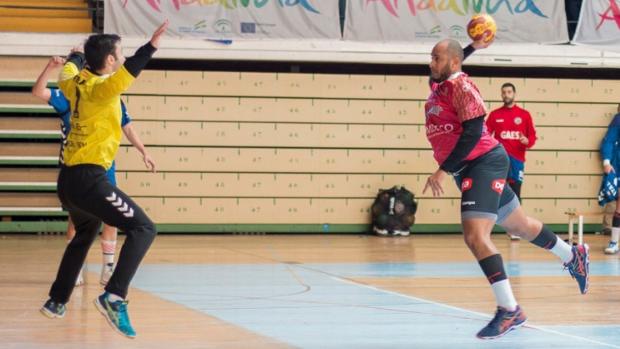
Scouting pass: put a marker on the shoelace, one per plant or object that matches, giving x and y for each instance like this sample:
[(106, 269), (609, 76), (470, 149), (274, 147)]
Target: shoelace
[(499, 316), (57, 307), (575, 267)]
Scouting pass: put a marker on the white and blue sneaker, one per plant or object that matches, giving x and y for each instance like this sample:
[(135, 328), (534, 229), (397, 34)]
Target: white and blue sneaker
[(612, 248), (53, 309)]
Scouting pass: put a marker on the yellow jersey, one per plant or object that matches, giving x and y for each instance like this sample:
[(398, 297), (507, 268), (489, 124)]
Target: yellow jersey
[(95, 114)]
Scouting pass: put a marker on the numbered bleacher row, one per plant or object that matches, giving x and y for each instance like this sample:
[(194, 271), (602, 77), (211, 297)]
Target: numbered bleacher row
[(268, 148), (298, 85), (249, 134), (224, 210), (274, 160), (344, 111), (309, 133), (342, 86), (293, 185)]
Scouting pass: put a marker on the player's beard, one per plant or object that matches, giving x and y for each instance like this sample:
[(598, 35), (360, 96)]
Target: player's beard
[(508, 101), (444, 74)]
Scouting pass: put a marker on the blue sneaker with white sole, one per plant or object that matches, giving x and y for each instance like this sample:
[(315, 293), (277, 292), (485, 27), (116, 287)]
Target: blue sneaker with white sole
[(579, 266), (503, 322), (116, 314)]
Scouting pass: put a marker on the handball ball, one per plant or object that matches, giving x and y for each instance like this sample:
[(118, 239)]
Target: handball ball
[(480, 24)]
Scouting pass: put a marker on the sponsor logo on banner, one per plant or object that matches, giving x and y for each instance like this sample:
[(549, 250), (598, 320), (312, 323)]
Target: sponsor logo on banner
[(435, 32), (498, 185), (457, 32), (229, 19), (248, 28), (467, 184), (198, 27), (222, 26), (253, 27)]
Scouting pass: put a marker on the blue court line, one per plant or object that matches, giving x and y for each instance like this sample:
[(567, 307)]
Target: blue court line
[(459, 269), (314, 306)]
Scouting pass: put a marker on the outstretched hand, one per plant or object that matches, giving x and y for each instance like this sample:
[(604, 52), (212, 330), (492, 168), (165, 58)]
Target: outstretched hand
[(79, 49), (482, 43), (149, 162), (159, 32), (55, 62), (434, 182)]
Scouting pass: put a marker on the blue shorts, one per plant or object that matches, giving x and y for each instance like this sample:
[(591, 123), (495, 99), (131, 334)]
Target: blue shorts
[(111, 174), (515, 170)]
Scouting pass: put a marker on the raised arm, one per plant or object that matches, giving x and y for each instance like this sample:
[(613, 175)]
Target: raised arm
[(74, 63), (40, 89), (120, 81), (476, 45)]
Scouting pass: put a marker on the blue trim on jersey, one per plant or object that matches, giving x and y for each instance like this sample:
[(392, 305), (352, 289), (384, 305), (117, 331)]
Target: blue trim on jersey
[(125, 118), (111, 173), (63, 108)]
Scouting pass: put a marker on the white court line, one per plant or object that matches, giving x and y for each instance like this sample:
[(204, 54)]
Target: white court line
[(471, 311)]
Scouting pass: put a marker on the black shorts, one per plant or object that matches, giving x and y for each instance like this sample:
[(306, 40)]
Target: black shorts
[(484, 191)]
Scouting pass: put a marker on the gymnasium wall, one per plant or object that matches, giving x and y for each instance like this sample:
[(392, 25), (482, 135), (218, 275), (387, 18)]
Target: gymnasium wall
[(240, 151)]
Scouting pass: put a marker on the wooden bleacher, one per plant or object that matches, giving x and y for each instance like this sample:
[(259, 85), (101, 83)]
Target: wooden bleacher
[(281, 151), (45, 16)]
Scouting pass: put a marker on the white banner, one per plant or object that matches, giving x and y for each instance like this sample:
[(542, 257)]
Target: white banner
[(599, 24), (533, 21), (225, 19)]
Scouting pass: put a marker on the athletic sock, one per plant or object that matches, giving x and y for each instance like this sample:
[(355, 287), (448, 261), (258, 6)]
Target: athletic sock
[(615, 227), (615, 234), (493, 268), (114, 298), (549, 241), (108, 247)]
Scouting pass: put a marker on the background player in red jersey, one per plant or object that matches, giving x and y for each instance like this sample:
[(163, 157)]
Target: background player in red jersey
[(513, 127), (463, 147)]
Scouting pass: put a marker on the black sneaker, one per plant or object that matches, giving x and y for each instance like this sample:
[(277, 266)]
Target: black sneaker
[(53, 310), (503, 322)]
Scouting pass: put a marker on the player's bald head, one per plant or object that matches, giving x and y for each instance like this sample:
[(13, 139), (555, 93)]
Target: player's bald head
[(452, 48), (447, 57)]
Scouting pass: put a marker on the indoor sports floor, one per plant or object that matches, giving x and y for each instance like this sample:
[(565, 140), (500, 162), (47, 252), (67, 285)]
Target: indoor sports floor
[(311, 291)]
